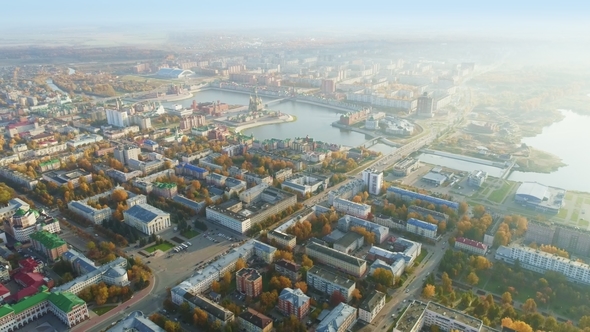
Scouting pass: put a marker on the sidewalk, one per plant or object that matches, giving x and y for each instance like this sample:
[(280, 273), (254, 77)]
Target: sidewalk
[(137, 297)]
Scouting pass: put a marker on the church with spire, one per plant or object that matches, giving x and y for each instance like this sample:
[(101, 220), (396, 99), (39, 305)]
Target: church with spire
[(255, 103)]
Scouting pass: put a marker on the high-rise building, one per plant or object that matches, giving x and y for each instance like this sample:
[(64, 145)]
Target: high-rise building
[(126, 152), (117, 118), (249, 282), (328, 86), (373, 179), (294, 302), (192, 121), (425, 105)]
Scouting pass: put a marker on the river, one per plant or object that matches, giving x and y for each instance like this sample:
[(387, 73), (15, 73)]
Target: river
[(562, 139), (566, 139), (313, 121)]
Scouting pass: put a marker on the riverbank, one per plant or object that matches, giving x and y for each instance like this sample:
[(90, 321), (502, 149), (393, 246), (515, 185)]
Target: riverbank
[(539, 162), (288, 118)]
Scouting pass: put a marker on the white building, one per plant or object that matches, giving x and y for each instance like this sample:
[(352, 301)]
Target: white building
[(477, 178), (540, 261), (422, 228), (338, 320), (371, 306), (147, 218), (117, 118), (304, 184), (347, 221), (373, 179), (229, 219), (94, 276), (473, 246), (250, 195), (202, 279), (349, 207)]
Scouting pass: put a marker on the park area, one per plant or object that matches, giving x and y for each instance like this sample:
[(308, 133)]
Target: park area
[(189, 233), (164, 246)]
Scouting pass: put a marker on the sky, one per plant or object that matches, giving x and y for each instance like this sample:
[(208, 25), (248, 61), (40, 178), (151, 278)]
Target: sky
[(490, 15)]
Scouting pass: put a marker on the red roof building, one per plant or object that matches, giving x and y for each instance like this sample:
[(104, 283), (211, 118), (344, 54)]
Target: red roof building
[(4, 292), (471, 245), (29, 265)]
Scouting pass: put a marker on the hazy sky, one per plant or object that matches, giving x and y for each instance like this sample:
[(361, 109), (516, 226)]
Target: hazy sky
[(318, 14)]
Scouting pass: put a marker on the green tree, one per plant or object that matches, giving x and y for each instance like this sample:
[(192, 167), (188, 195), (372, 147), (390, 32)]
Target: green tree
[(472, 278)]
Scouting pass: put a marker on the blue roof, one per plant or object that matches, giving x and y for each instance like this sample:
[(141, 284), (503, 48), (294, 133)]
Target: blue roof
[(83, 207), (149, 142), (422, 224), (78, 259), (192, 168), (144, 212), (427, 198)]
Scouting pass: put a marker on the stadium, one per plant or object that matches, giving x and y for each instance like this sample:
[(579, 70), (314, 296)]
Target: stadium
[(540, 197)]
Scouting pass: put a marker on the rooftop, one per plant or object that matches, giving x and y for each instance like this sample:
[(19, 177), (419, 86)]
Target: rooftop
[(145, 212), (371, 300), (471, 242), (281, 235), (256, 318), (249, 274), (336, 318), (136, 321), (297, 297), (336, 254), (331, 276), (164, 185), (411, 316), (454, 314), (348, 239), (422, 224), (48, 240)]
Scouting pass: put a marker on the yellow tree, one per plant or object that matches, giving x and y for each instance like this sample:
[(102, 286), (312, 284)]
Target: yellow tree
[(240, 264), (472, 278), (301, 285), (428, 291)]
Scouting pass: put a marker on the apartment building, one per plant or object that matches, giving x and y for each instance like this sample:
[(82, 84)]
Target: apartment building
[(422, 228), (203, 279), (347, 222), (215, 312), (541, 262), (294, 302), (407, 195), (420, 315), (50, 245), (373, 180), (282, 239), (249, 282), (371, 306), (336, 259), (254, 321), (472, 246), (329, 282), (359, 210), (339, 319), (288, 269)]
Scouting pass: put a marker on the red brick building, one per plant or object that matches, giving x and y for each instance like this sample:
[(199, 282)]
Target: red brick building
[(249, 282)]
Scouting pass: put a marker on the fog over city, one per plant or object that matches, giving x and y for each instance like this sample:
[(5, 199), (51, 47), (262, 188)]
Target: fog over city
[(294, 166)]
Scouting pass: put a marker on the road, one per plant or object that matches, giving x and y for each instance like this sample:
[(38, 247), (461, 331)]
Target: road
[(169, 272), (401, 298)]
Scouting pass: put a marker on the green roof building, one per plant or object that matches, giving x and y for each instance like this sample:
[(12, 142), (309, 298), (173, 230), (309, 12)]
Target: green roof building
[(49, 244), (69, 308)]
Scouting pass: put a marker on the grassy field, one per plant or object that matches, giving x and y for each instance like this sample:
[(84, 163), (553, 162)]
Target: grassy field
[(104, 309), (420, 258), (579, 201), (575, 215), (562, 213), (569, 196), (499, 195), (583, 223), (189, 234), (164, 246)]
